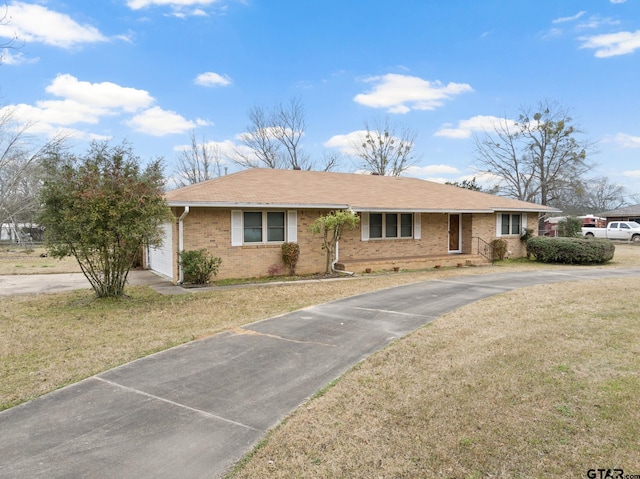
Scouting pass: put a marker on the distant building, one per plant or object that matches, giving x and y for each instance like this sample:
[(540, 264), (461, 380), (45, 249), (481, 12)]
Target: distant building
[(630, 213), (551, 223)]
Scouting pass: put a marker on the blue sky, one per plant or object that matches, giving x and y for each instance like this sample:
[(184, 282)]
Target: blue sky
[(153, 71)]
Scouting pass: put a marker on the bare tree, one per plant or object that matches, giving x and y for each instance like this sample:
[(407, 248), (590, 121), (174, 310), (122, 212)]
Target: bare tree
[(602, 195), (261, 142), (539, 157), (4, 20), (385, 152), (331, 160), (498, 153), (20, 162), (201, 162), (273, 139), (288, 123)]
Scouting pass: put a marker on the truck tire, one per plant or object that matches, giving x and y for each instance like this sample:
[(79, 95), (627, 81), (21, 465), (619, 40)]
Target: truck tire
[(588, 235), (635, 238)]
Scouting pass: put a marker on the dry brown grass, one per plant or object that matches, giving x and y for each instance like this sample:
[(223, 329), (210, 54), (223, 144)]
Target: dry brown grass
[(17, 260), (495, 389), (48, 341), (525, 384)]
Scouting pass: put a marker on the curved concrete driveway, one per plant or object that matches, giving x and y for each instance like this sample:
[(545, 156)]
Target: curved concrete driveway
[(194, 410)]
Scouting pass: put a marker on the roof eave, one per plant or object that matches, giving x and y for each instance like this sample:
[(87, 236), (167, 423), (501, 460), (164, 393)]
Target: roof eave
[(542, 209), (360, 209), (289, 206)]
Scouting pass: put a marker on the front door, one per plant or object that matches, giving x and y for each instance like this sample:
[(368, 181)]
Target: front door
[(454, 233)]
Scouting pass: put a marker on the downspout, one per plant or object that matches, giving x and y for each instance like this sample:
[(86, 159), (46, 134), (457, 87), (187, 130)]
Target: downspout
[(333, 264), (181, 241)]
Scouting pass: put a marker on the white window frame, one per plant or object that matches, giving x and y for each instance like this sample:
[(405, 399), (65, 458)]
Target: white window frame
[(499, 222), (365, 225), (237, 227)]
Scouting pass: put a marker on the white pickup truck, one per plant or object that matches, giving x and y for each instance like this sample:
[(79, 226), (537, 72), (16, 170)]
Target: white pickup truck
[(616, 230)]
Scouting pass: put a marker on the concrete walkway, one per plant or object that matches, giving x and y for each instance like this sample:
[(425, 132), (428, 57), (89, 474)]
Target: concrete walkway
[(193, 411), (55, 283)]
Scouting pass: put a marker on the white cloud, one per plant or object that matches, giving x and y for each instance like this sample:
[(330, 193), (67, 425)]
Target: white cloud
[(85, 102), (430, 170), (7, 57), (612, 44), (618, 1), (70, 112), (211, 79), (466, 128), (632, 173), (403, 93), (179, 8), (138, 4), (105, 95), (158, 122), (485, 180), (596, 21), (569, 19), (226, 148), (627, 141), (35, 23), (38, 122), (345, 143), (552, 32), (270, 132)]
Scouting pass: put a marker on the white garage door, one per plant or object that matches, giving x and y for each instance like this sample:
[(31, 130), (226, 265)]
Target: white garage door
[(161, 259)]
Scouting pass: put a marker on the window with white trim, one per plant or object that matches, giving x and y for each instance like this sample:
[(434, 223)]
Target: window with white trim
[(511, 224), (260, 227), (390, 225)]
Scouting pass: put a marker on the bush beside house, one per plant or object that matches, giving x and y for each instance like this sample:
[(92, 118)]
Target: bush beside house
[(570, 250)]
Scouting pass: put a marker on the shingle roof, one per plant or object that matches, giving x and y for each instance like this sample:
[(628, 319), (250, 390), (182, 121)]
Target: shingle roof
[(628, 211), (264, 187)]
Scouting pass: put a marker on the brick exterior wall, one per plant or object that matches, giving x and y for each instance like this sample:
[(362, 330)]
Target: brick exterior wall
[(210, 228)]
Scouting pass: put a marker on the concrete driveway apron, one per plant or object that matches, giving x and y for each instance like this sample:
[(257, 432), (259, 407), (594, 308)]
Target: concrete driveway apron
[(193, 411)]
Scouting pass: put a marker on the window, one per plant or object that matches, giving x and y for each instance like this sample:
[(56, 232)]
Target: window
[(252, 227), (275, 226), (375, 225), (406, 225), (390, 225), (258, 225), (391, 229), (510, 224)]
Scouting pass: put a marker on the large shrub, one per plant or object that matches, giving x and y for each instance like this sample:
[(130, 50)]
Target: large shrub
[(198, 266), (570, 250), (102, 207), (570, 227)]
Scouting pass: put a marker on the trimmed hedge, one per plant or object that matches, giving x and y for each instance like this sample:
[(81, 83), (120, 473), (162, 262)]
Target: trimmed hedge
[(570, 250)]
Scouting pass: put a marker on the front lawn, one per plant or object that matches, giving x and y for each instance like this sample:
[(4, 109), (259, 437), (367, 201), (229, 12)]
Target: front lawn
[(541, 382)]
